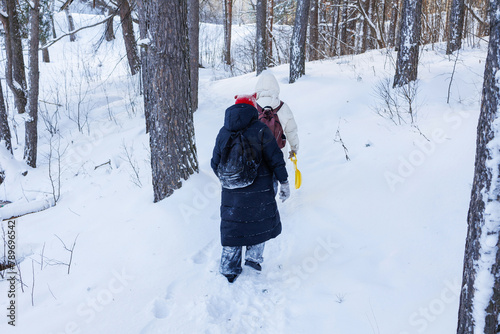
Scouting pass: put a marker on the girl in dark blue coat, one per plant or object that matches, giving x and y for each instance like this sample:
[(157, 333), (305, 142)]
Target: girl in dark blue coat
[(249, 215)]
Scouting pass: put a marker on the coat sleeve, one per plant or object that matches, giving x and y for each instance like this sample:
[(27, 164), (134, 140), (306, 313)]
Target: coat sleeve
[(272, 154), (216, 155), (289, 127)]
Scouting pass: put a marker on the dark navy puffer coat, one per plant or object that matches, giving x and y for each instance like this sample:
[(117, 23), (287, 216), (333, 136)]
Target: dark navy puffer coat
[(250, 215)]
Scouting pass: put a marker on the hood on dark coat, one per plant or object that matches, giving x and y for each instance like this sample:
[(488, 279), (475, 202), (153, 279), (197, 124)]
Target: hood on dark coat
[(239, 116)]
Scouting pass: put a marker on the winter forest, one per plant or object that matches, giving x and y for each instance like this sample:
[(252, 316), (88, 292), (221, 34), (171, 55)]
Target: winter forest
[(111, 212)]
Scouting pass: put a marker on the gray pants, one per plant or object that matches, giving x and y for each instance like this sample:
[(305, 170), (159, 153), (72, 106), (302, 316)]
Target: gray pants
[(230, 263)]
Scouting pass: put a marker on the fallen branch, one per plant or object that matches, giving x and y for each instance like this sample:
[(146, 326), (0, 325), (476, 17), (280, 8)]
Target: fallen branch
[(18, 209), (106, 163)]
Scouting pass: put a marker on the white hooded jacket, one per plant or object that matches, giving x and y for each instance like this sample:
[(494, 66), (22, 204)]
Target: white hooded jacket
[(268, 90)]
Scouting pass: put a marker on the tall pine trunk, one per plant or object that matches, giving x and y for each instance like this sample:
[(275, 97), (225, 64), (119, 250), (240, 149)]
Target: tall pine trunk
[(314, 31), (409, 42), (194, 48), (173, 150), (455, 26), (143, 34), (228, 22), (31, 141), (129, 37), (260, 36), (480, 297), (14, 72), (298, 42)]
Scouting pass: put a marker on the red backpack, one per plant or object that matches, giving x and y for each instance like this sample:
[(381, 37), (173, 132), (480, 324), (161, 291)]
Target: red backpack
[(269, 116)]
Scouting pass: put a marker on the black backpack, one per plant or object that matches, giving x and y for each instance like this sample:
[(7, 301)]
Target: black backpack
[(239, 162)]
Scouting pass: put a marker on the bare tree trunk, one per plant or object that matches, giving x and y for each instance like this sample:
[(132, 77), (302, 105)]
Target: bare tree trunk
[(298, 42), (71, 24), (313, 31), (228, 22), (194, 49), (146, 84), (480, 297), (109, 33), (31, 144), (5, 136), (269, 35), (344, 49), (260, 38), (15, 72), (393, 23), (456, 26), (129, 37), (407, 62), (173, 149)]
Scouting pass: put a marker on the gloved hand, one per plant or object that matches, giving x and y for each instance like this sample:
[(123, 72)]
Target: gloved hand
[(291, 154), (284, 191)]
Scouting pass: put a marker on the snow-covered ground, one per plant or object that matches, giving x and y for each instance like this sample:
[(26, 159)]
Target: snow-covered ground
[(370, 245)]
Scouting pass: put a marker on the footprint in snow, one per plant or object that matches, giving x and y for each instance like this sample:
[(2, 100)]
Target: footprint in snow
[(160, 309)]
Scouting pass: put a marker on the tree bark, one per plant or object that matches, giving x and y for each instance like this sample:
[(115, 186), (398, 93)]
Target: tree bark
[(173, 149), (391, 40), (260, 36), (71, 24), (480, 297), (194, 49), (313, 31), (228, 22), (298, 42), (109, 33), (269, 34), (456, 26), (146, 84), (129, 37), (15, 72), (31, 138), (409, 42), (5, 135)]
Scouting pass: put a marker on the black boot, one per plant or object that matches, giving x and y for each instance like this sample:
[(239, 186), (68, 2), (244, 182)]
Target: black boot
[(254, 265), (231, 278)]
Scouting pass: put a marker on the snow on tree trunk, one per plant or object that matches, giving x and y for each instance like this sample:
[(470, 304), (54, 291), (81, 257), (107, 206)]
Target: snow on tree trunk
[(173, 150), (194, 37), (409, 41), (480, 297), (228, 21), (298, 41), (31, 141), (455, 26), (269, 35), (5, 136), (129, 37), (260, 36)]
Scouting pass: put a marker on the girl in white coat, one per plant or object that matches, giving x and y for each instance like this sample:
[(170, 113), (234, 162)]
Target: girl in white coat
[(268, 90)]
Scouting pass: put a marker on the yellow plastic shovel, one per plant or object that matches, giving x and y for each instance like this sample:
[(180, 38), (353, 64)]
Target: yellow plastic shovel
[(298, 175)]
